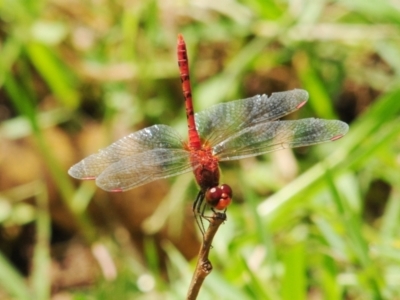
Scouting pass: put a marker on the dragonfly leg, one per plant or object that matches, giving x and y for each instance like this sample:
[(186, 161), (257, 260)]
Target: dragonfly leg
[(219, 215), (199, 208), (197, 203), (198, 212)]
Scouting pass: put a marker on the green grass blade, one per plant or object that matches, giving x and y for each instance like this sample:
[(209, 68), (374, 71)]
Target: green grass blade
[(391, 217), (56, 75), (10, 51), (294, 282), (319, 96), (13, 282), (41, 281)]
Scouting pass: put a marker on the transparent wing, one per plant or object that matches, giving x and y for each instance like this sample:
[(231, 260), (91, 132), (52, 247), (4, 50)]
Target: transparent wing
[(139, 169), (142, 141), (221, 121), (271, 136)]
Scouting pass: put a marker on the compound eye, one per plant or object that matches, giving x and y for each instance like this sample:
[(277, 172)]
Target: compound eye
[(226, 189), (219, 197), (213, 195)]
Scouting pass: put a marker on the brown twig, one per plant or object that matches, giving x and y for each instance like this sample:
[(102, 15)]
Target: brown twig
[(204, 266)]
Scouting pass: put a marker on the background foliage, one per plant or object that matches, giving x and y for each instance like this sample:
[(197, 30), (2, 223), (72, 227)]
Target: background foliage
[(315, 223)]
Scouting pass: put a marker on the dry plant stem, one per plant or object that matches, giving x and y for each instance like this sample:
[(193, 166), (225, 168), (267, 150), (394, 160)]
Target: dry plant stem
[(204, 266)]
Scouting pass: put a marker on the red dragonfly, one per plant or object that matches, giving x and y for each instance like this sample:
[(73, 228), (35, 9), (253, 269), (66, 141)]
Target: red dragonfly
[(227, 131)]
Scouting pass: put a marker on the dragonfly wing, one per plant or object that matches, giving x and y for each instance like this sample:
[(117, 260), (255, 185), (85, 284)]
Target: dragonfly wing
[(220, 121), (142, 168), (154, 137), (271, 136)]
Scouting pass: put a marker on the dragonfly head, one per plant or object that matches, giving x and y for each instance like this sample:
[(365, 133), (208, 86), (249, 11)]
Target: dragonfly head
[(219, 197)]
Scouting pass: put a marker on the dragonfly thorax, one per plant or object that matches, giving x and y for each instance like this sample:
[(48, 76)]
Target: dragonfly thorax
[(205, 167)]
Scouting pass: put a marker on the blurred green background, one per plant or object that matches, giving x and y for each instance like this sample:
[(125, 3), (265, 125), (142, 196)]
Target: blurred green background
[(313, 223)]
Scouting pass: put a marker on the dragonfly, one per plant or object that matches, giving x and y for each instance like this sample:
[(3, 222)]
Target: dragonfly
[(223, 132)]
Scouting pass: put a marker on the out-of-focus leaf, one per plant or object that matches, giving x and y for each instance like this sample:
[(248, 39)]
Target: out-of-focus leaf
[(50, 33), (294, 281), (11, 281), (54, 73)]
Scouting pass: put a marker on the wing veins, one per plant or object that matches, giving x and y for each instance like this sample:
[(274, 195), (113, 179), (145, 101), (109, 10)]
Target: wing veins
[(272, 136), (144, 168), (220, 121)]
